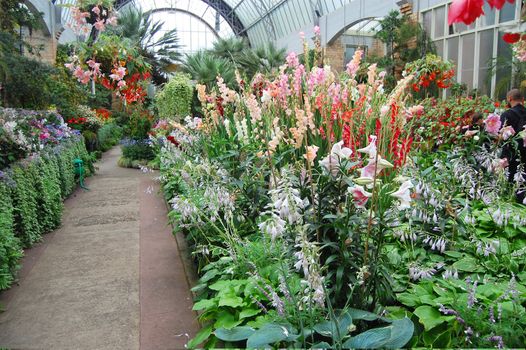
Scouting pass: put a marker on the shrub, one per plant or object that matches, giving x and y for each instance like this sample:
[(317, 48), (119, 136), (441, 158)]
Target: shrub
[(108, 136), (175, 98), (31, 193)]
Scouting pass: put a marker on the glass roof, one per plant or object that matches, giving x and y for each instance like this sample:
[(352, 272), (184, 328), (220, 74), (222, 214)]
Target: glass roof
[(260, 20)]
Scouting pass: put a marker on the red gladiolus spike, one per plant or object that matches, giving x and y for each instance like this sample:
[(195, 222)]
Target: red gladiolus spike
[(511, 38), (346, 135)]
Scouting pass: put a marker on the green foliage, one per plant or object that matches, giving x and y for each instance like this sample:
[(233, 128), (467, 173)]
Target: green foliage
[(10, 247), (204, 68), (108, 136), (31, 194), (174, 100)]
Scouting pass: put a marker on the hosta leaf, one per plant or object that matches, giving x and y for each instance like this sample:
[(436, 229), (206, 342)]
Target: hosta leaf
[(234, 334), (336, 329), (371, 339), (268, 334), (429, 316), (204, 304)]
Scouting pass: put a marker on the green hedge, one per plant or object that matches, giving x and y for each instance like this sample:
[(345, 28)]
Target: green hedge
[(31, 194)]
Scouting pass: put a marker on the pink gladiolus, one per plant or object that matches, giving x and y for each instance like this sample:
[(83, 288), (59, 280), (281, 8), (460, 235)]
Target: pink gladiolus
[(317, 30), (96, 10), (310, 155), (121, 84), (292, 60), (354, 64), (360, 195), (493, 124)]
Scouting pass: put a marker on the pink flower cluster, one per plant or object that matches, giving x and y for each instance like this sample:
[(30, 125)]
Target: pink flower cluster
[(80, 24)]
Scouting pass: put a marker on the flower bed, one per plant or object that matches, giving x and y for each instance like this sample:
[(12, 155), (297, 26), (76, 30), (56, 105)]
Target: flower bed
[(32, 188), (319, 218)]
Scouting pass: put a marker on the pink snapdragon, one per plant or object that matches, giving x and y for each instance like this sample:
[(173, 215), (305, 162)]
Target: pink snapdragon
[(298, 78), (317, 30), (493, 124)]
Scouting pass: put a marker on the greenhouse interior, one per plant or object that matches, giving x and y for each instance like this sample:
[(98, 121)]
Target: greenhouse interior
[(277, 174)]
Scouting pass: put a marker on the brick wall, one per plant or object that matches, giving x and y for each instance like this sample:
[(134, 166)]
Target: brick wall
[(47, 43), (334, 55)]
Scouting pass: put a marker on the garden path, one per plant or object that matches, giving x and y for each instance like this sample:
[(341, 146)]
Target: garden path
[(110, 277)]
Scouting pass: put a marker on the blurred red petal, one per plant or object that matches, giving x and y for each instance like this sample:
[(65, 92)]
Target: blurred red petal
[(499, 3), (511, 38), (466, 11)]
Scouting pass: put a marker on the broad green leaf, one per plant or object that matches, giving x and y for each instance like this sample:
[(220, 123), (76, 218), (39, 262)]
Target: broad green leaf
[(336, 329), (371, 339), (200, 337), (321, 345), (362, 315), (230, 300), (234, 334), (408, 299), (248, 313), (401, 332), (268, 334), (467, 264), (226, 320), (429, 316), (204, 304)]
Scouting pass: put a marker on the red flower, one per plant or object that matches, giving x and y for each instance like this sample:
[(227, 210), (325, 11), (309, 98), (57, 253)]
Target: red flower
[(466, 11), (498, 4), (511, 38), (497, 104)]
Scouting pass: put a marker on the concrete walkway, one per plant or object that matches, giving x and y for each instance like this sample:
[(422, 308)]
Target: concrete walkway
[(110, 278)]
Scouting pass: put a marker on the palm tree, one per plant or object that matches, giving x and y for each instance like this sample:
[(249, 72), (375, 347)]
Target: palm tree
[(160, 51), (204, 68), (264, 59), (231, 49)]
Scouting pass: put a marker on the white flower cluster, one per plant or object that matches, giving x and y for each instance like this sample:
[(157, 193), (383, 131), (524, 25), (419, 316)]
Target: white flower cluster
[(217, 199), (307, 261), (286, 207), (436, 243), (186, 208)]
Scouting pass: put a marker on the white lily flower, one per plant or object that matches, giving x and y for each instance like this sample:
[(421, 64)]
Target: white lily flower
[(404, 195), (332, 161), (371, 148)]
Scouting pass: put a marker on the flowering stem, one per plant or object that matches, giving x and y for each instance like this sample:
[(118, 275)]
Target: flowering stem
[(370, 221)]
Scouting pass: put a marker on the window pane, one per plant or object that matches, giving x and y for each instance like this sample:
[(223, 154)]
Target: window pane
[(468, 61), (452, 50), (440, 20), (440, 47), (507, 13), (503, 67), (485, 61), (426, 20)]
